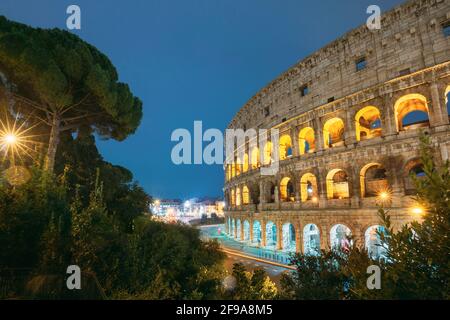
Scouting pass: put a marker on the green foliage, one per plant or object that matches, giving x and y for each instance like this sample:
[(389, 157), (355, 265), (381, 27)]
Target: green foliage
[(29, 213), (78, 163), (44, 230), (254, 285)]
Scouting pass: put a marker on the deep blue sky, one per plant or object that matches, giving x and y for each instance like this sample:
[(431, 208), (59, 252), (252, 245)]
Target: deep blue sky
[(194, 60)]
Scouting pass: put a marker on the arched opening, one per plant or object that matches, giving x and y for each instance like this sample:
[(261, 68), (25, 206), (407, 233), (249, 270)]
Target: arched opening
[(271, 235), (311, 239), (228, 172), (337, 184), (254, 159), (375, 249), (340, 237), (368, 123), (233, 197), (289, 237), (287, 192), (233, 170), (285, 147), (267, 153), (238, 166), (233, 228), (238, 229), (245, 195), (373, 180), (229, 226), (413, 169), (306, 140), (245, 163), (246, 225), (308, 187), (411, 112), (238, 196), (256, 233), (333, 133), (270, 192)]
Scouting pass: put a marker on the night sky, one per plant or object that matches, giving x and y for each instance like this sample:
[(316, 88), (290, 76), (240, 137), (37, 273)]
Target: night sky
[(194, 60)]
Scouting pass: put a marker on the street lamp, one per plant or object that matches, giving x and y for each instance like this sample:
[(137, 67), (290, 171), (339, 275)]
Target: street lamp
[(417, 211), (10, 139)]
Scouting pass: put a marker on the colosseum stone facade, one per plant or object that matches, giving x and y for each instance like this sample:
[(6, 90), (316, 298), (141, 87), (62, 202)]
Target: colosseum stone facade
[(349, 118)]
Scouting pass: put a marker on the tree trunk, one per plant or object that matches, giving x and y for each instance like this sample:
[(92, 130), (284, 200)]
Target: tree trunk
[(53, 143)]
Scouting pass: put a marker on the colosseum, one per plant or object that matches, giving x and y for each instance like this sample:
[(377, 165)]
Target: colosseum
[(349, 118)]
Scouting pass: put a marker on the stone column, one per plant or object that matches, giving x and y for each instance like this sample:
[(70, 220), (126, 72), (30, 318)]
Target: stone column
[(438, 110), (318, 134), (322, 188), (298, 238), (242, 230), (295, 145), (235, 229), (354, 187), (389, 127), (279, 227), (263, 233), (262, 198), (350, 130), (324, 237), (251, 231)]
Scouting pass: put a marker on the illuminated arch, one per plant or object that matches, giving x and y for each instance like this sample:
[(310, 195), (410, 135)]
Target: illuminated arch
[(311, 239), (238, 166), (285, 147), (339, 237), (268, 153), (228, 174), (333, 133), (256, 232), (337, 184), (238, 196), (245, 195), (287, 192), (308, 187), (373, 180), (233, 197), (408, 104), (271, 235), (368, 123), (413, 167), (246, 226), (238, 229), (233, 170), (245, 163), (288, 233), (306, 140), (269, 189), (254, 158), (372, 239)]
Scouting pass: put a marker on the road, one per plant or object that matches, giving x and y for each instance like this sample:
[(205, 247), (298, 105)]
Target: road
[(239, 253)]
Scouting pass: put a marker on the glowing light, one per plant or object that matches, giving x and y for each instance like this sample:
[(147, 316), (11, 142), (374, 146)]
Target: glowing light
[(10, 139), (384, 195), (15, 141), (314, 199), (418, 211)]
